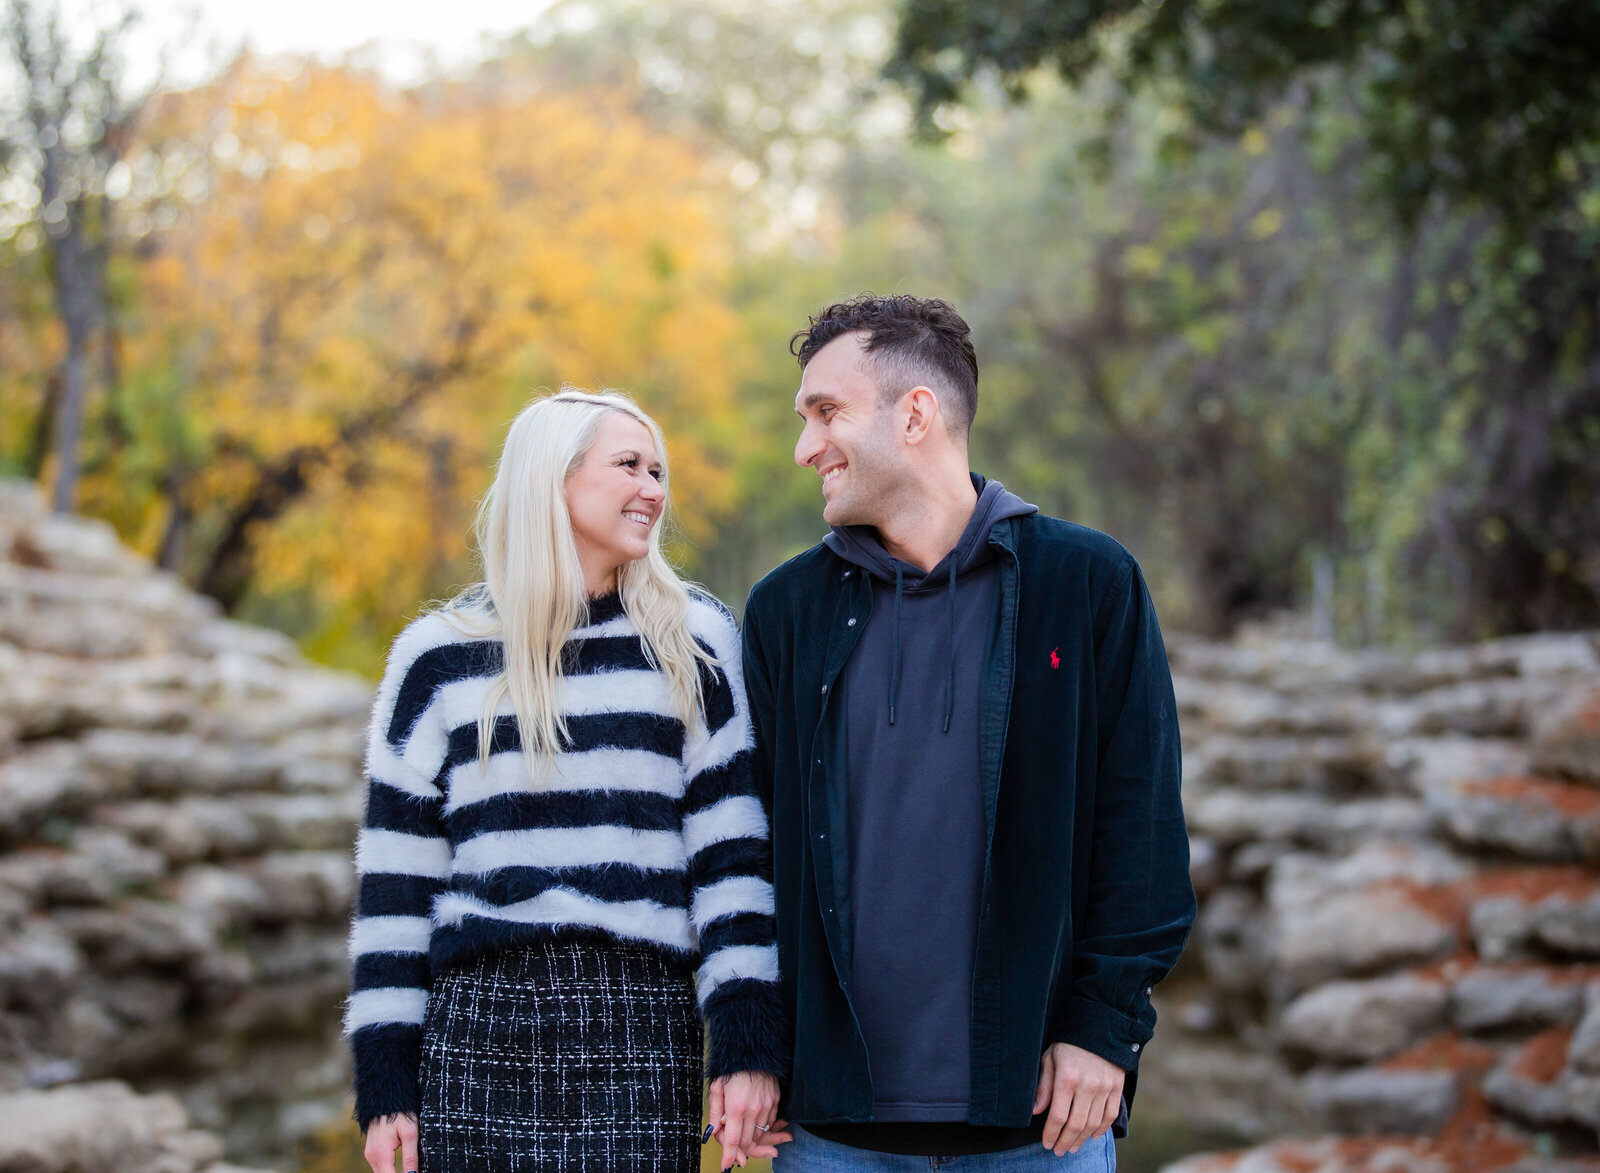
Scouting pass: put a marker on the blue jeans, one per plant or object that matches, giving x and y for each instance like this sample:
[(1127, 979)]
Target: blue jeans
[(808, 1153)]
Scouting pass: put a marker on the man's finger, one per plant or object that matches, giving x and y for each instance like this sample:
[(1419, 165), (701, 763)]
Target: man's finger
[(767, 1142), (1108, 1117), (1047, 1078), (1091, 1120), (1061, 1095), (1073, 1129)]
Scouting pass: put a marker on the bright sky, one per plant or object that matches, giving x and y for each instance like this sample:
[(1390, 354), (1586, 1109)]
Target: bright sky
[(406, 33)]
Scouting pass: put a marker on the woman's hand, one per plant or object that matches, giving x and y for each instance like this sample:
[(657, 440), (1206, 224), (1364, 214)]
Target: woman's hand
[(744, 1117), (397, 1130)]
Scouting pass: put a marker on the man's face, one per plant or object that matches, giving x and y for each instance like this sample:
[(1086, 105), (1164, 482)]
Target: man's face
[(847, 437)]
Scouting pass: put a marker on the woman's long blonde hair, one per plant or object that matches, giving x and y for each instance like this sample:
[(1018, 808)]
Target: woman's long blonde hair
[(533, 596)]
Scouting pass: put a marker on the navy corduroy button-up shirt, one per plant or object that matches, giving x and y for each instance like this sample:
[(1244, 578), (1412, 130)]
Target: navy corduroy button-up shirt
[(1086, 900)]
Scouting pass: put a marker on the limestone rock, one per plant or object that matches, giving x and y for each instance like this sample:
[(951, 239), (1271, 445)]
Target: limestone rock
[(1501, 927), (1534, 818), (1374, 1100), (1355, 933), (1529, 1084), (1584, 1050), (1416, 765), (1228, 933), (1570, 926), (1493, 998), (1566, 738), (101, 1128), (1358, 1021)]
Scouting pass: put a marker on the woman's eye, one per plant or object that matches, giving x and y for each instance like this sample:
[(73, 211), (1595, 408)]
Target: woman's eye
[(657, 473)]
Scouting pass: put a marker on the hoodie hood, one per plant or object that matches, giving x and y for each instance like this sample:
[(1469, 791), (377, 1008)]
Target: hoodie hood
[(861, 546)]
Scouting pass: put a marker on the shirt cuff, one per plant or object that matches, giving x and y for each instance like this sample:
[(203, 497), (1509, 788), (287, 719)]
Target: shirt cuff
[(1102, 1031)]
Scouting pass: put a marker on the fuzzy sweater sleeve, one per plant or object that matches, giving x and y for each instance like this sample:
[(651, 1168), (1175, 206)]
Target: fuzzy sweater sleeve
[(403, 859), (727, 839)]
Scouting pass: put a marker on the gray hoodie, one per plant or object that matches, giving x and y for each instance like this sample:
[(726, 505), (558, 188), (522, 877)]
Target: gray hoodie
[(910, 727)]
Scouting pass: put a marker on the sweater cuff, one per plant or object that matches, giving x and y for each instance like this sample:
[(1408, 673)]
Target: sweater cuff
[(388, 1060), (748, 1028), (1102, 1031)]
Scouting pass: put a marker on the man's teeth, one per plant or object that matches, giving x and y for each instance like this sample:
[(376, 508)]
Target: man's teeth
[(831, 473)]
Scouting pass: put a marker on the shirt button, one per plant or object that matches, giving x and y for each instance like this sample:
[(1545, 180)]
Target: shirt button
[(851, 623), (1135, 1046), (822, 835), (1147, 989), (824, 689), (846, 574)]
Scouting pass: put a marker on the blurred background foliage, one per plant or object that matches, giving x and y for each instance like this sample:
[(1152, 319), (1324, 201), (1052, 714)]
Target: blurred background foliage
[(1297, 300)]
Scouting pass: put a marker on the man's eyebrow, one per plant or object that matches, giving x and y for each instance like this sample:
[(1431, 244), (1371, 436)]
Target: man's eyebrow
[(812, 400)]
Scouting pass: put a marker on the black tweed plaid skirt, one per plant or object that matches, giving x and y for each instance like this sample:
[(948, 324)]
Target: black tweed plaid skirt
[(562, 1056)]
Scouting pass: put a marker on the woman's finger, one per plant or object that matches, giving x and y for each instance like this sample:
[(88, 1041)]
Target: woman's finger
[(728, 1133), (382, 1140), (407, 1128), (714, 1107), (747, 1128)]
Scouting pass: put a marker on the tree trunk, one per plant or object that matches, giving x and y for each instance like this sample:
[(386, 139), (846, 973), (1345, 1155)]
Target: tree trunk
[(69, 424)]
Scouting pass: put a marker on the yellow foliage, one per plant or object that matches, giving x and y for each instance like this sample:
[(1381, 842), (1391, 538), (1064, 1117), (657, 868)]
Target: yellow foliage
[(375, 282)]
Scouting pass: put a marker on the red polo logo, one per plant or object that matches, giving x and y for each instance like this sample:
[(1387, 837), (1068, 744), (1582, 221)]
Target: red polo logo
[(1055, 660)]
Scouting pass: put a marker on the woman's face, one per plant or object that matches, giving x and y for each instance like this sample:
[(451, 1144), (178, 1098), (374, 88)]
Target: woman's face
[(614, 498)]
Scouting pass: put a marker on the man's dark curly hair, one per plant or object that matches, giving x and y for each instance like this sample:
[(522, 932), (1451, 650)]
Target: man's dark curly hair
[(912, 341)]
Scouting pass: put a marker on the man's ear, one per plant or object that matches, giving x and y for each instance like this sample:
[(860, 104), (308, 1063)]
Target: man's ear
[(922, 413)]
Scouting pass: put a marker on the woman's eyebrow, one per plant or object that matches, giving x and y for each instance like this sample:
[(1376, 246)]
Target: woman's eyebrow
[(633, 454)]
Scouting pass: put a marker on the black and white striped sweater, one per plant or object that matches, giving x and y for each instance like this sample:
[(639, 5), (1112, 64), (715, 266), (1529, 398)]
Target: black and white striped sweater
[(645, 832)]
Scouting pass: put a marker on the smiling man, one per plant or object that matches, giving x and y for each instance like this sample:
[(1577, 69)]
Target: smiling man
[(966, 732)]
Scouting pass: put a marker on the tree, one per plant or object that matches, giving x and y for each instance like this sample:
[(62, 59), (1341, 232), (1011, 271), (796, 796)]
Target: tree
[(1497, 103), (70, 125), (359, 290), (1478, 129)]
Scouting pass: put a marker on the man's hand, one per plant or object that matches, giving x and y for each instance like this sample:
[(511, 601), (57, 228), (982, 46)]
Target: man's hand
[(743, 1113), (397, 1130), (1084, 1093)]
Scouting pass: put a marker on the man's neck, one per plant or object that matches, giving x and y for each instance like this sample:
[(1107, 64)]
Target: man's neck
[(930, 525)]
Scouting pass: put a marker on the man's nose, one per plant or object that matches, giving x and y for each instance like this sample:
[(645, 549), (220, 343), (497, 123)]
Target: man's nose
[(806, 449)]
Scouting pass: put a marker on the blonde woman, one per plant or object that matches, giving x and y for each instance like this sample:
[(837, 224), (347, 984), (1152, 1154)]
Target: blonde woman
[(564, 866)]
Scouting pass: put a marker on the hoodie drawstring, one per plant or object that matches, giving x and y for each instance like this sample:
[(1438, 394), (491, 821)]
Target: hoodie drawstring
[(894, 664), (950, 668)]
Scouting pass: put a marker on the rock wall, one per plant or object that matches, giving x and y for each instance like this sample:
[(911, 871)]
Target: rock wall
[(1400, 905), (1397, 957), (103, 1127), (178, 797)]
